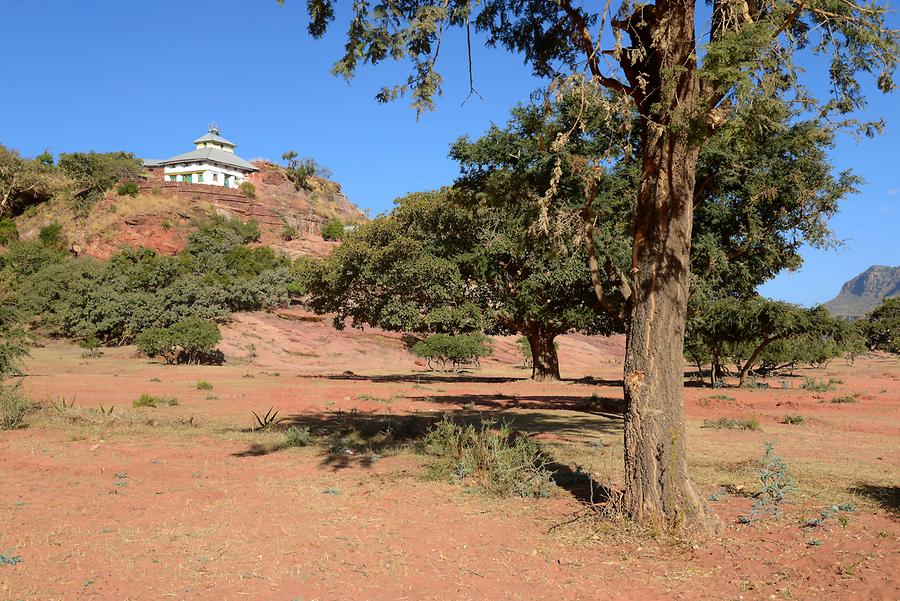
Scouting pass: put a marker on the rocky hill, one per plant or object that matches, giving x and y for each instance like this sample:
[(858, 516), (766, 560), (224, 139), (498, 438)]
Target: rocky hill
[(866, 291), (163, 214)]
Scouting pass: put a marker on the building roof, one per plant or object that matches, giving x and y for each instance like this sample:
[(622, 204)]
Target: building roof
[(151, 162), (215, 155), (213, 136)]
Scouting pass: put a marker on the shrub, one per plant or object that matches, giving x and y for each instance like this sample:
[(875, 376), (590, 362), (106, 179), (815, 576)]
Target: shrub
[(452, 350), (289, 232), (296, 436), (8, 231), (844, 399), (146, 400), (51, 236), (127, 189), (204, 385), (333, 230), (13, 408), (90, 344), (727, 423), (793, 419), (777, 484), (500, 461), (816, 386), (153, 342), (247, 189), (196, 337)]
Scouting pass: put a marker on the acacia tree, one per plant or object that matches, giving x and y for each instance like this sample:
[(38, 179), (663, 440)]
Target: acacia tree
[(682, 92), (440, 263)]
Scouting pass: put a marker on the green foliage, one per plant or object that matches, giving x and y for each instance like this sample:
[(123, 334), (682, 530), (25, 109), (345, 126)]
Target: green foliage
[(777, 484), (248, 189), (147, 400), (13, 408), (727, 423), (844, 399), (881, 327), (524, 348), (127, 189), (90, 344), (137, 289), (204, 385), (298, 436), (814, 385), (454, 351), (288, 232), (300, 170), (333, 230), (52, 237), (13, 338), (8, 231), (191, 340), (758, 331), (93, 173), (24, 183), (498, 460)]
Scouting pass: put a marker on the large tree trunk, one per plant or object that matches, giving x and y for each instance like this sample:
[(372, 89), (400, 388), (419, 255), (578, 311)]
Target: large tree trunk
[(544, 360), (658, 488)]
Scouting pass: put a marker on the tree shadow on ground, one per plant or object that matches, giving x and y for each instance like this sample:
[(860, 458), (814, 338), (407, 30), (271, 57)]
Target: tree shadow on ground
[(593, 405), (449, 378), (888, 497), (360, 438)]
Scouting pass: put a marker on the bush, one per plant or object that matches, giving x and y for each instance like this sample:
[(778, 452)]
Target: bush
[(524, 349), (13, 408), (881, 328), (298, 437), (500, 461), (188, 341), (817, 386), (146, 400), (204, 385), (453, 350), (51, 236), (288, 232), (90, 344), (333, 230), (793, 419), (8, 231), (247, 189), (127, 189)]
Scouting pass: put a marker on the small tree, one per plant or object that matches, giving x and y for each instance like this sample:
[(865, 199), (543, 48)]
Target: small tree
[(127, 189), (248, 189), (882, 327), (453, 350), (93, 173), (188, 341), (333, 230), (52, 237)]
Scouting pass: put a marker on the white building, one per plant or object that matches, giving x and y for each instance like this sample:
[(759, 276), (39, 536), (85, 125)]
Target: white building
[(213, 162)]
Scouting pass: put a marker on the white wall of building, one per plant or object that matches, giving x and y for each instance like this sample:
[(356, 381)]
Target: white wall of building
[(213, 173)]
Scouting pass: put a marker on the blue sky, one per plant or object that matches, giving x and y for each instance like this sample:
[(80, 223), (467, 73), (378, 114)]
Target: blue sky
[(148, 77)]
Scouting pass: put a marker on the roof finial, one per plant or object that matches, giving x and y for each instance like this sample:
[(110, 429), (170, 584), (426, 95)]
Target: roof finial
[(213, 128)]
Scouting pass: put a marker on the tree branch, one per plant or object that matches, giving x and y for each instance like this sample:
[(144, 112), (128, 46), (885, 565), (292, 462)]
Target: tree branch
[(582, 37)]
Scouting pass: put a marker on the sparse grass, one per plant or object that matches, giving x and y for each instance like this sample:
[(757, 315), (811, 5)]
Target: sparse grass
[(147, 400), (814, 385), (204, 385), (727, 423), (793, 419), (843, 399), (497, 459), (13, 409), (369, 397), (721, 397)]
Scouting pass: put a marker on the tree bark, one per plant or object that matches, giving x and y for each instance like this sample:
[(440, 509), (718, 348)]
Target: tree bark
[(544, 359), (658, 488), (748, 365)]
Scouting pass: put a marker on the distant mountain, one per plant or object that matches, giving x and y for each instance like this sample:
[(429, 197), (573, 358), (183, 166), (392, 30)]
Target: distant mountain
[(865, 292)]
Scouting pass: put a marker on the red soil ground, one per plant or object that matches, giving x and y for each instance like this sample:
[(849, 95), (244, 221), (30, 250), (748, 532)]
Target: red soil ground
[(160, 510)]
